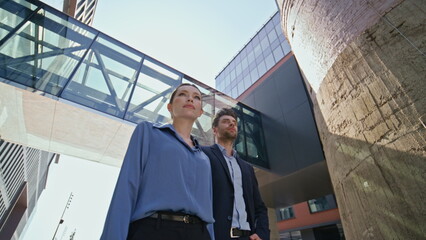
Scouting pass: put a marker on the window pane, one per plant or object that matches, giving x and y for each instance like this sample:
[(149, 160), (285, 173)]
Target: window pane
[(270, 62), (272, 36), (13, 14), (285, 213), (261, 68), (250, 57), (43, 53), (154, 87), (105, 79), (254, 75), (241, 87), (286, 47), (264, 43), (278, 54), (322, 203), (257, 51)]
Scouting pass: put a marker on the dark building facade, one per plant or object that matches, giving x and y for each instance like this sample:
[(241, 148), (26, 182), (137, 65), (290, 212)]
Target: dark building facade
[(265, 75)]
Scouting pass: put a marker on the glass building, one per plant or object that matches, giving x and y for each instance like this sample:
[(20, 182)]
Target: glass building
[(23, 175), (82, 10), (265, 75), (259, 55), (55, 56)]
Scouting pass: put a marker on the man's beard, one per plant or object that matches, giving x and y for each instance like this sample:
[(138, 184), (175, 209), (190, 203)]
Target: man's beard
[(229, 135)]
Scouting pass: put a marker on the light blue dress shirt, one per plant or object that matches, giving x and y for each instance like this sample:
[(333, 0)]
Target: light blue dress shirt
[(239, 218), (160, 172)]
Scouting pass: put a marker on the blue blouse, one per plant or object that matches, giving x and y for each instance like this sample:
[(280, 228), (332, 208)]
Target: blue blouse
[(160, 172)]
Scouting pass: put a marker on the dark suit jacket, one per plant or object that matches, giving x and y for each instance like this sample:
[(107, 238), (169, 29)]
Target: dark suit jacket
[(223, 196)]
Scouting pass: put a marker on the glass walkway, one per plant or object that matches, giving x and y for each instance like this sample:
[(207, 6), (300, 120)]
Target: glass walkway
[(59, 76)]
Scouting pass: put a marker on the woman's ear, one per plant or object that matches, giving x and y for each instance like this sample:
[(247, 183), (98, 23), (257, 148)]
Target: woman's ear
[(169, 107)]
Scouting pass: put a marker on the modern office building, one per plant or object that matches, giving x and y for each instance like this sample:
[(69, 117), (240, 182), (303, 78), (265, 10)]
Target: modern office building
[(314, 219), (24, 170), (266, 76), (91, 88), (68, 88), (23, 175), (82, 10), (258, 56)]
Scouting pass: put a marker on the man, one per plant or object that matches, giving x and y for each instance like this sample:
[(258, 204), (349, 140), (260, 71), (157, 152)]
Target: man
[(238, 209)]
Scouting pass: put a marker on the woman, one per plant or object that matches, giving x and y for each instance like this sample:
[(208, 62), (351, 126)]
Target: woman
[(164, 189)]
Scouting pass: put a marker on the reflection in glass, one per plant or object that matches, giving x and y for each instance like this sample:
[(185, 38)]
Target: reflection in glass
[(105, 79), (13, 15), (44, 51)]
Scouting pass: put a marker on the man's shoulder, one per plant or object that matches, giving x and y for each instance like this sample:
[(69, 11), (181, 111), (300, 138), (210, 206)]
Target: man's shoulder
[(207, 148)]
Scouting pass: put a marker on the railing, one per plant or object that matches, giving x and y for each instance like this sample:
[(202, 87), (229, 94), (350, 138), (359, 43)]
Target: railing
[(43, 49)]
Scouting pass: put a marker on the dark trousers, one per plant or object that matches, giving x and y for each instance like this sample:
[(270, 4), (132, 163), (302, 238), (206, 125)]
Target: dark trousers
[(157, 229)]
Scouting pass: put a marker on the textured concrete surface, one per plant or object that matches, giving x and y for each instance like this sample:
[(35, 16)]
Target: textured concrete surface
[(370, 111), (318, 31)]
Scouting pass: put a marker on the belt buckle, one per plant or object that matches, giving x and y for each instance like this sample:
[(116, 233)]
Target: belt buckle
[(232, 234), (186, 219)]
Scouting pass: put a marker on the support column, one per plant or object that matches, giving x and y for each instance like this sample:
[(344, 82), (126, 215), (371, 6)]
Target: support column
[(273, 224), (366, 61)]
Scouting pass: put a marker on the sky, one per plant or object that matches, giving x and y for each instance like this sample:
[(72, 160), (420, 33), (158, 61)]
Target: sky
[(198, 38)]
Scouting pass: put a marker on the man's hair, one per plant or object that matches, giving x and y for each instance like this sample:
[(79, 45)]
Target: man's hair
[(183, 84), (223, 112)]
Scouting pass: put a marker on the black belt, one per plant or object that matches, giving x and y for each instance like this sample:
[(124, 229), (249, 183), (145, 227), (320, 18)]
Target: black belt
[(236, 233), (178, 217)]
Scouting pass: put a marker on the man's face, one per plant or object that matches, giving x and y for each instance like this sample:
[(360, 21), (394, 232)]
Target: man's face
[(227, 128)]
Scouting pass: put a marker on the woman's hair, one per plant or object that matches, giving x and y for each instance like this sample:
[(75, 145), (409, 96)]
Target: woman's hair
[(183, 84)]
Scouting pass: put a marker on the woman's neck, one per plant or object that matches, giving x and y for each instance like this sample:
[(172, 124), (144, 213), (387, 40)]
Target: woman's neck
[(183, 127)]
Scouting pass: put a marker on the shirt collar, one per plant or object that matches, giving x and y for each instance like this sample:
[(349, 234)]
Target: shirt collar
[(170, 127), (223, 150)]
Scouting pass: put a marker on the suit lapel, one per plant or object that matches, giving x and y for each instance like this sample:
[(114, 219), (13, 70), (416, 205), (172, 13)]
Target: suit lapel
[(222, 161)]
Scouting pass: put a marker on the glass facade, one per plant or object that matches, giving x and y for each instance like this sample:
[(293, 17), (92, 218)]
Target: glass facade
[(259, 55), (43, 49), (85, 10)]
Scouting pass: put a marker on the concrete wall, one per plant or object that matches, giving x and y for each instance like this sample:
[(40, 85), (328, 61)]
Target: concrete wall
[(370, 107)]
